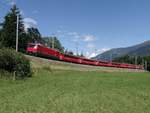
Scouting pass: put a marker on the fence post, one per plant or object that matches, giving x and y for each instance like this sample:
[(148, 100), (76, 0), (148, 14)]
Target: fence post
[(14, 76)]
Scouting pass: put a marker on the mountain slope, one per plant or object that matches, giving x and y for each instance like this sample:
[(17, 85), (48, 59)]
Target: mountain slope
[(142, 49)]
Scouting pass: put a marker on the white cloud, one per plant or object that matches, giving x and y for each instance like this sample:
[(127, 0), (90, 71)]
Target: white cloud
[(96, 52), (87, 54), (87, 41), (21, 12), (35, 11), (29, 22), (80, 37), (88, 38), (102, 50), (59, 31), (74, 35), (90, 54), (61, 27), (90, 46), (11, 2)]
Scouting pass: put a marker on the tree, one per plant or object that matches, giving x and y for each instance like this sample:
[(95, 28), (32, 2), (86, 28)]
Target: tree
[(8, 31), (68, 52), (34, 35), (0, 39), (81, 55), (135, 59), (50, 41), (147, 60)]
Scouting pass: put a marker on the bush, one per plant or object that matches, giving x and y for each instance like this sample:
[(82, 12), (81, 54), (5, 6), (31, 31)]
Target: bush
[(14, 62)]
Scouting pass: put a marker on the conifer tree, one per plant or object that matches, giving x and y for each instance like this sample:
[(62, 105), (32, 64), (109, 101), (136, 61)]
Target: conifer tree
[(57, 45), (8, 31)]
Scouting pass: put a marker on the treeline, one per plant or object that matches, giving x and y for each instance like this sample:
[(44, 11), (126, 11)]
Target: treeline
[(12, 63), (29, 35), (137, 60), (25, 36), (8, 31), (15, 63)]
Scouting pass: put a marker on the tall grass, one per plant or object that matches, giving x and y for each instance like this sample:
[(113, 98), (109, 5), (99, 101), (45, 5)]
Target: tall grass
[(60, 91), (5, 74)]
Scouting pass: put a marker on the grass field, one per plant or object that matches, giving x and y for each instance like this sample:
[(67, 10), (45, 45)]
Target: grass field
[(72, 91)]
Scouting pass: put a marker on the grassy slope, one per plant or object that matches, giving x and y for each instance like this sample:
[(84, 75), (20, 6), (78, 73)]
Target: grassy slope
[(57, 65), (72, 91)]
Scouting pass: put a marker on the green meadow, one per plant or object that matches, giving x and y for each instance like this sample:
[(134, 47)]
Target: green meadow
[(76, 91)]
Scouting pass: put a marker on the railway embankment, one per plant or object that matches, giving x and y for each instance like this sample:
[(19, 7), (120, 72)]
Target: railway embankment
[(39, 63)]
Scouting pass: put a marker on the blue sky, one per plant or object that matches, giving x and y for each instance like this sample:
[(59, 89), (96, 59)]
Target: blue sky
[(93, 25)]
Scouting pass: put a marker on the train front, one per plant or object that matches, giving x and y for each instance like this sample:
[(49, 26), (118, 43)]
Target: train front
[(32, 48)]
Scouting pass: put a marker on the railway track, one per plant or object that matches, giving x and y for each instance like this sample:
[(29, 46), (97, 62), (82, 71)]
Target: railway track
[(43, 51), (40, 63)]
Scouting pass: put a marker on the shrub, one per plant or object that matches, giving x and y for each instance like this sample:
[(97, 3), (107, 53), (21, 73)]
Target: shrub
[(14, 62)]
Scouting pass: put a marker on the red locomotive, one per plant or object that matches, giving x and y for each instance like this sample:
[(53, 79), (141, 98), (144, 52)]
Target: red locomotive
[(43, 51)]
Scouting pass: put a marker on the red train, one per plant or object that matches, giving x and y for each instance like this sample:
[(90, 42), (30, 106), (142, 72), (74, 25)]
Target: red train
[(43, 51)]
